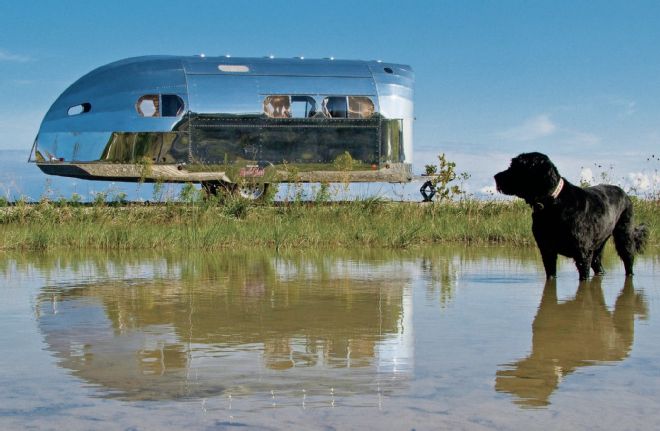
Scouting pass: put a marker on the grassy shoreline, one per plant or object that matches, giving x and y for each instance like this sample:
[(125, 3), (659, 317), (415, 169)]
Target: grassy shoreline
[(237, 224)]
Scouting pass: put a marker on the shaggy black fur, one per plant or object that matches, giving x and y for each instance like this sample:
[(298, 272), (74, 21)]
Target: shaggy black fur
[(576, 222)]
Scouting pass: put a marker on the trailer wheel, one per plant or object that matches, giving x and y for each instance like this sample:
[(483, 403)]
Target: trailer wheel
[(251, 191)]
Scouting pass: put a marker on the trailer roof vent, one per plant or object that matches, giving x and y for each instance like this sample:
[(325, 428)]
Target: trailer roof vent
[(233, 68)]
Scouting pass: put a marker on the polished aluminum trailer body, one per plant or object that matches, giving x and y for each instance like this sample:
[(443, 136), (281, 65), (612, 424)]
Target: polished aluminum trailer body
[(224, 120)]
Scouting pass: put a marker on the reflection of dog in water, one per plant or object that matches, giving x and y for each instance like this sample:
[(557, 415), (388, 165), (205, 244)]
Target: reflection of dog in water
[(572, 221), (571, 334)]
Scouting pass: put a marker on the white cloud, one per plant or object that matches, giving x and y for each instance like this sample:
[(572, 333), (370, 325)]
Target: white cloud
[(586, 176), (644, 182), (14, 58), (530, 130)]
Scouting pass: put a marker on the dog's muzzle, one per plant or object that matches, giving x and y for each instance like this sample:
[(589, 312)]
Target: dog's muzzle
[(500, 181)]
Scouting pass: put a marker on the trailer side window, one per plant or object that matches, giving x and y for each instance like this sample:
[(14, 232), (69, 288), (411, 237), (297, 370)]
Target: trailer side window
[(334, 107), (79, 109), (155, 105), (171, 105), (277, 106), (360, 107), (148, 105), (303, 106)]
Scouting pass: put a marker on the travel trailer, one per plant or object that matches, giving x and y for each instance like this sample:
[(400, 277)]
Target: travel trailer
[(235, 123)]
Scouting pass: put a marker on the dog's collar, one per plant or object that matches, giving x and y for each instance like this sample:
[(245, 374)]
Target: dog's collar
[(560, 186), (540, 204)]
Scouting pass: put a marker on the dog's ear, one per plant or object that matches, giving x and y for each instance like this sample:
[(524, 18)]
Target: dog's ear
[(548, 175), (533, 176)]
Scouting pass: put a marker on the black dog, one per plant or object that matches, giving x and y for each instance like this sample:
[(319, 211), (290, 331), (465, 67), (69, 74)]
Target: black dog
[(572, 221)]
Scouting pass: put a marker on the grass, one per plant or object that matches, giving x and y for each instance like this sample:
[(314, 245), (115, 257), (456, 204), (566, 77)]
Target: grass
[(238, 224)]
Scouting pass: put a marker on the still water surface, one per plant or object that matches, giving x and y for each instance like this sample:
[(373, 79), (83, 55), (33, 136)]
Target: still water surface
[(438, 338)]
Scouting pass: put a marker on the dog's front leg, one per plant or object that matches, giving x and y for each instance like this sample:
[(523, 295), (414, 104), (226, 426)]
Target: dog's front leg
[(549, 262), (597, 261)]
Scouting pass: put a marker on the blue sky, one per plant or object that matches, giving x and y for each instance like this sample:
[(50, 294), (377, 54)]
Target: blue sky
[(578, 80)]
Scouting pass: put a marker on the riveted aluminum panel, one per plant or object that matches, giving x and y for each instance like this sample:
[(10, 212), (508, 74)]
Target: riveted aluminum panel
[(226, 140)]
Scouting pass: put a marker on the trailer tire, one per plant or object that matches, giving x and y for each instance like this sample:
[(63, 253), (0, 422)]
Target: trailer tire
[(251, 191)]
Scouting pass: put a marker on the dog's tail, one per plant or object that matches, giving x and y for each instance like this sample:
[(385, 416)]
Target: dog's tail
[(640, 236), (629, 239)]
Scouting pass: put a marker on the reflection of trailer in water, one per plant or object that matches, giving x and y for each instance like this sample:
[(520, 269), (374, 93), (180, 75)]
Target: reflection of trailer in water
[(223, 121), (236, 324)]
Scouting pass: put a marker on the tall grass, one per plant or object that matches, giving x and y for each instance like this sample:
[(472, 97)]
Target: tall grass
[(235, 224)]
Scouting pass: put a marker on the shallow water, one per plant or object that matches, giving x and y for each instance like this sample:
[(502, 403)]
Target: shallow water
[(437, 338)]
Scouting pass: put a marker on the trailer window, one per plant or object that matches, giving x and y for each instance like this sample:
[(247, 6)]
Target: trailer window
[(79, 109), (148, 105), (171, 105), (360, 107), (277, 106), (303, 106), (157, 105), (334, 107)]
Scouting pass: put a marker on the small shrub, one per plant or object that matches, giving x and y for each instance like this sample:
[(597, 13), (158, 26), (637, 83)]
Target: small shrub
[(344, 162), (189, 194), (119, 197), (236, 207), (323, 193), (446, 174), (75, 200), (99, 199), (271, 192)]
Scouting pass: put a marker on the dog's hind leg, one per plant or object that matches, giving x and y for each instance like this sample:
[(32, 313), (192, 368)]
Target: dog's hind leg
[(583, 262), (624, 240), (597, 260)]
